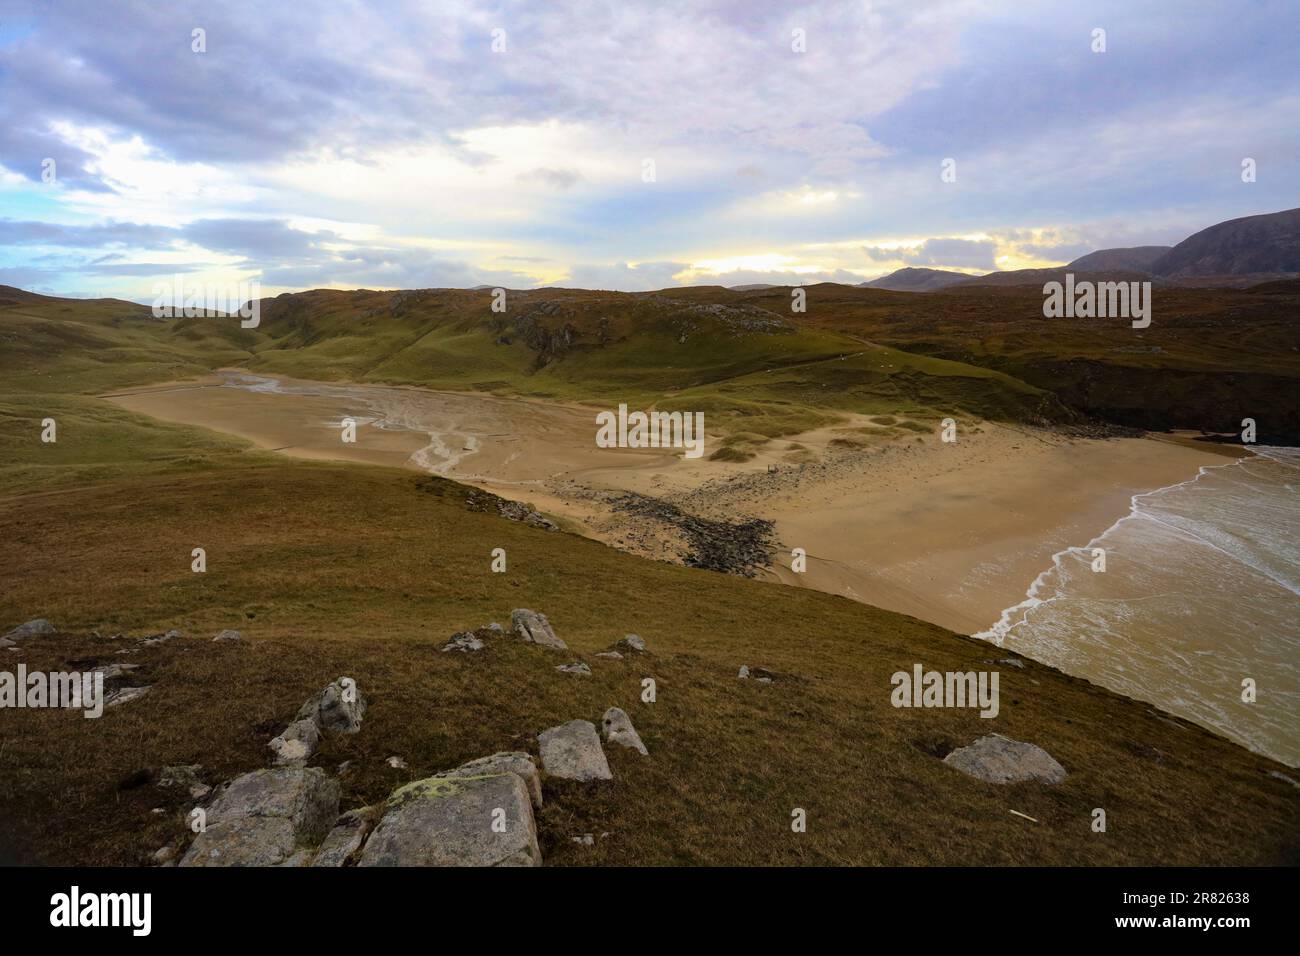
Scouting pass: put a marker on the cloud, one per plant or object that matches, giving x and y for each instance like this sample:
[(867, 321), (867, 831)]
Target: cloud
[(960, 253)]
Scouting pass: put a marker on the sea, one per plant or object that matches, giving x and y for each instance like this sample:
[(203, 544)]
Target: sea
[(1198, 604)]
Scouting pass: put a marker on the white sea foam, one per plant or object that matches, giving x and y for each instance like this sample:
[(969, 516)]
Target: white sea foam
[(1201, 590)]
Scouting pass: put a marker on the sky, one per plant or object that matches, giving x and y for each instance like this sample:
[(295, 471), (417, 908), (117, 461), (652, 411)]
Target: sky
[(624, 145)]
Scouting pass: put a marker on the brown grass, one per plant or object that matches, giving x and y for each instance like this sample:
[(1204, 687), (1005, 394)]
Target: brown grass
[(333, 570)]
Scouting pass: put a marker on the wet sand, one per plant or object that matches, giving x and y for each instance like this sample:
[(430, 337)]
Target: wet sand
[(949, 533)]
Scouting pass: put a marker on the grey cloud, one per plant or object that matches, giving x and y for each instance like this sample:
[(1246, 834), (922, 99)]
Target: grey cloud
[(965, 253)]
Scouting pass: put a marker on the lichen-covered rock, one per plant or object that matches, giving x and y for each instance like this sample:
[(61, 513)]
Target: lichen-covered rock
[(342, 845), (997, 759), (512, 761), (262, 818), (337, 709), (456, 821), (535, 628), (35, 628), (297, 743), (618, 729), (572, 751)]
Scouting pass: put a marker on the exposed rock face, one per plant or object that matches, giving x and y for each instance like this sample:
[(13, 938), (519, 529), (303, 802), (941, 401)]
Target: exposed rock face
[(512, 761), (632, 643), (535, 628), (297, 743), (338, 708), (464, 641), (36, 628), (456, 821), (577, 668), (228, 635), (343, 844), (1001, 760), (618, 729), (262, 818), (572, 751)]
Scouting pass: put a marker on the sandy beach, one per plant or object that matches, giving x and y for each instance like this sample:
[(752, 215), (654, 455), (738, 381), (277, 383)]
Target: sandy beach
[(950, 533)]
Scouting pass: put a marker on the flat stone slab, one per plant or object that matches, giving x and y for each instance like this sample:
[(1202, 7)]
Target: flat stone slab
[(263, 817), (535, 628), (35, 628), (572, 751), (997, 759), (510, 761), (456, 821)]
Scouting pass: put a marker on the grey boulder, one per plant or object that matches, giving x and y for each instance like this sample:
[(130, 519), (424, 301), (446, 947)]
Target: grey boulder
[(997, 759), (263, 818), (572, 751), (618, 729), (511, 761), (535, 628), (297, 743), (35, 628), (464, 641), (337, 709), (343, 844), (456, 821)]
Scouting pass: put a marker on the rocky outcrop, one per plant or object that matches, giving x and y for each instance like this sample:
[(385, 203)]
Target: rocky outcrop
[(265, 817), (342, 846), (572, 751), (618, 729), (456, 821), (997, 759), (535, 628), (513, 761)]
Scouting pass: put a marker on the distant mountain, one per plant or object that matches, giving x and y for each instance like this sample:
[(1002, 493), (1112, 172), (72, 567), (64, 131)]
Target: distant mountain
[(1038, 277), (1254, 245), (1131, 259), (916, 280)]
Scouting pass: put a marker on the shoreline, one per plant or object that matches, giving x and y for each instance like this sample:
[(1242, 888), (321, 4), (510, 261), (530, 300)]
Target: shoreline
[(953, 534)]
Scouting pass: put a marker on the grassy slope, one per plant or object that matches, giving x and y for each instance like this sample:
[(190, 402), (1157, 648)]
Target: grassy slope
[(365, 571), (309, 561)]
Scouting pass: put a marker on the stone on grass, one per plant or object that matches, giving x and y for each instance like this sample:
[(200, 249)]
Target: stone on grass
[(263, 818), (572, 751), (744, 672), (535, 628), (343, 843), (610, 655), (632, 643), (125, 695), (451, 821), (397, 763), (297, 743), (338, 708), (228, 635), (997, 759), (512, 761), (36, 628), (464, 641), (618, 729), (577, 667), (185, 777)]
